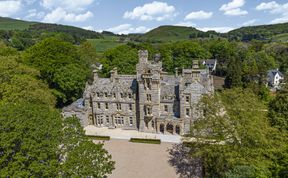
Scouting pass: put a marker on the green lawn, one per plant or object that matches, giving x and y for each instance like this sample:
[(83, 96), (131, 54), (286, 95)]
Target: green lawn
[(98, 137), (108, 42), (144, 140)]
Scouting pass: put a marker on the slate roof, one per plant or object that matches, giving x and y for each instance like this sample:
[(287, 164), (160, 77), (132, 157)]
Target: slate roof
[(274, 72)]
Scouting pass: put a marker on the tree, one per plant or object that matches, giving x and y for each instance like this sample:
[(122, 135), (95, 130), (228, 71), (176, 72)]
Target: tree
[(233, 134), (278, 110), (123, 57), (80, 156), (29, 137), (60, 66), (234, 74)]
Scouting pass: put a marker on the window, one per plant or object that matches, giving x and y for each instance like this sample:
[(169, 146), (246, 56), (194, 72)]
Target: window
[(98, 94), (187, 99), (166, 108), (121, 94), (152, 124), (106, 106), (130, 95), (149, 85), (149, 110), (130, 107), (99, 105), (122, 120), (149, 97), (114, 95), (131, 120), (106, 94), (187, 112), (107, 119), (118, 106)]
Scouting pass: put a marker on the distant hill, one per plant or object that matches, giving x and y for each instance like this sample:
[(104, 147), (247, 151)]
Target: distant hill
[(276, 32), (37, 28), (173, 33), (13, 24)]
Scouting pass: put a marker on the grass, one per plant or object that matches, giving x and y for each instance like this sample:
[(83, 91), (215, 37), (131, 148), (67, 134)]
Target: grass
[(13, 24), (108, 42), (99, 137), (144, 140), (281, 37)]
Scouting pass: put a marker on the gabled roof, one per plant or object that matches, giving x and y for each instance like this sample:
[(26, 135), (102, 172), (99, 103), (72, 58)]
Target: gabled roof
[(274, 72), (211, 61)]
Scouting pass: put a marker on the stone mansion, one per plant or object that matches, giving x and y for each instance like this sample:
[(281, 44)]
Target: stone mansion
[(150, 101)]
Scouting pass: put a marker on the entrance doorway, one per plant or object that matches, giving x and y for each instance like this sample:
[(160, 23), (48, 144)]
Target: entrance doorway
[(169, 128), (162, 128)]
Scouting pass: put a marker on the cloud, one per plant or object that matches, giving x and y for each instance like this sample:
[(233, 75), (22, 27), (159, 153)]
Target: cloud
[(233, 8), (217, 29), (68, 5), (186, 24), (9, 7), (89, 28), (32, 13), (199, 15), (280, 20), (127, 29), (275, 8), (249, 22), (267, 6), (151, 11), (60, 14)]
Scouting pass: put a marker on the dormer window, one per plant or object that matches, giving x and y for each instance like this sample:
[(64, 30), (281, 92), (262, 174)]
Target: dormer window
[(122, 95), (130, 95), (106, 94), (98, 94), (114, 95)]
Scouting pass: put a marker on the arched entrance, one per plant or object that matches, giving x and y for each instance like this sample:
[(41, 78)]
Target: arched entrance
[(162, 128), (169, 128), (177, 129)]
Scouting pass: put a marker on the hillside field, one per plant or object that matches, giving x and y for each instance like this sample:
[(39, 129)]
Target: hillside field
[(108, 42), (13, 24)]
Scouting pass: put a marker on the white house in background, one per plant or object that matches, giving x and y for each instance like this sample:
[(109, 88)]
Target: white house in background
[(210, 64), (275, 77)]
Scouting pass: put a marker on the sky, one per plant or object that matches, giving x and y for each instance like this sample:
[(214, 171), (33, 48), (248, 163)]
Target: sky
[(140, 16)]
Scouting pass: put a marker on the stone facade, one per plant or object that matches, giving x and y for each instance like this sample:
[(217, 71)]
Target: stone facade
[(150, 101)]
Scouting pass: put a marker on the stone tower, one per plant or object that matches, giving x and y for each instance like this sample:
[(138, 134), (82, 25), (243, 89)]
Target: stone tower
[(148, 78)]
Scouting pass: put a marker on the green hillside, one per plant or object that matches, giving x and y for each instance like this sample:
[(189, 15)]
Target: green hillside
[(35, 28), (175, 33), (261, 32), (13, 24)]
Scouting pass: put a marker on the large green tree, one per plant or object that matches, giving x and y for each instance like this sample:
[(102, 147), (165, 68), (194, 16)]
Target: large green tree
[(80, 156), (29, 137), (60, 66), (234, 134)]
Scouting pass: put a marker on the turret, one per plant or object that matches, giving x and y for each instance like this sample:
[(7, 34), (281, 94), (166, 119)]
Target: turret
[(114, 74), (143, 56)]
